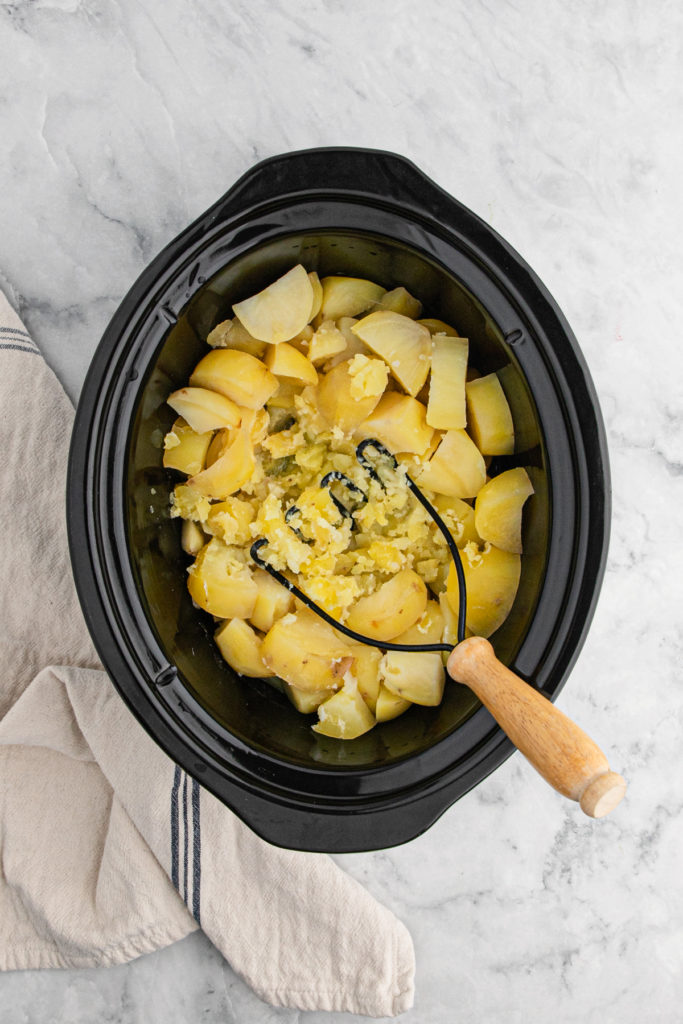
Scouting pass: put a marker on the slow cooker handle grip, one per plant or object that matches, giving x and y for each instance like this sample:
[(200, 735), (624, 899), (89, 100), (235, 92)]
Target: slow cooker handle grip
[(336, 170), (557, 748)]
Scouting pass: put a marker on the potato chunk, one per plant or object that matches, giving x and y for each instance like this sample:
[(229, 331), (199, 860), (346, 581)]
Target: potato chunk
[(366, 672), (348, 296), (237, 375), (343, 401), (457, 467), (488, 416), (389, 705), (273, 601), (229, 472), (417, 676), (281, 310), (185, 449), (492, 578), (405, 346), (458, 517), (192, 538), (220, 584), (285, 361), (345, 716), (354, 346), (317, 295), (393, 608), (203, 409), (241, 648), (399, 300), (498, 509), (446, 406), (233, 334), (327, 341), (305, 701), (400, 423), (439, 327), (306, 652)]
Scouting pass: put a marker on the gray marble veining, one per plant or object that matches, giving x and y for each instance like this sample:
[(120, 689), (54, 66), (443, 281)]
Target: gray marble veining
[(559, 124)]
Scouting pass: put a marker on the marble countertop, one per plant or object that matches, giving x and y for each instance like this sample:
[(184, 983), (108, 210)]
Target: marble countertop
[(556, 122)]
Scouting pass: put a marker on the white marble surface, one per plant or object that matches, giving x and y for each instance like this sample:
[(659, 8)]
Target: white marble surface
[(559, 123)]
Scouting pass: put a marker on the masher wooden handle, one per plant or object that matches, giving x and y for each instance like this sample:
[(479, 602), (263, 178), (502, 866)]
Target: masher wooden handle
[(566, 758)]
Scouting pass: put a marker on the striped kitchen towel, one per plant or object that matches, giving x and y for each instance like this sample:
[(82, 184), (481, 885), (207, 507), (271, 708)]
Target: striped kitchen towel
[(107, 849)]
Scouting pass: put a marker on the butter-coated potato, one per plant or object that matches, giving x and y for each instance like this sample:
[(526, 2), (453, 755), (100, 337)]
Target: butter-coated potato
[(344, 716), (221, 585), (237, 375), (241, 648), (281, 310), (394, 607)]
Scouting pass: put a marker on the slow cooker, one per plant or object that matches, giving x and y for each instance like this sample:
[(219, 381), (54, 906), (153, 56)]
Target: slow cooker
[(361, 213)]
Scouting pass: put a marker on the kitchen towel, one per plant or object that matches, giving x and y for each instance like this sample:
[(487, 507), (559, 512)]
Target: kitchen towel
[(107, 848)]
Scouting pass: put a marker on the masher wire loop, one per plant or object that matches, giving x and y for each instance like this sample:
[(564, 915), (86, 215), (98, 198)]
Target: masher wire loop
[(366, 463)]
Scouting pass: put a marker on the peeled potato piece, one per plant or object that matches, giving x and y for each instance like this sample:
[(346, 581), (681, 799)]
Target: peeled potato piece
[(233, 334), (354, 346), (498, 509), (393, 608), (304, 651), (305, 701), (317, 295), (241, 648), (285, 361), (273, 601), (450, 622), (348, 296), (366, 672), (229, 472), (400, 423), (458, 517), (203, 409), (389, 705), (238, 375), (492, 578), (192, 538), (185, 449), (220, 441), (221, 585), (446, 406), (343, 400), (399, 300), (489, 418), (301, 341), (345, 716), (327, 341), (439, 327), (456, 468), (417, 676), (281, 310), (405, 346)]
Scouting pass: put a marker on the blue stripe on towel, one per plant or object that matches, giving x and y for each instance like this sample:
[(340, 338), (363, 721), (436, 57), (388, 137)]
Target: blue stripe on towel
[(174, 828), (196, 853), (15, 330), (20, 348)]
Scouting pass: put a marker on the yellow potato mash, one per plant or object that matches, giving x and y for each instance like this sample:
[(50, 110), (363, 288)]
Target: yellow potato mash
[(305, 370)]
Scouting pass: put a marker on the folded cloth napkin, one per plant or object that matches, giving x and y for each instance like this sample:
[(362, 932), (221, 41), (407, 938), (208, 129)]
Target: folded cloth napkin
[(107, 849)]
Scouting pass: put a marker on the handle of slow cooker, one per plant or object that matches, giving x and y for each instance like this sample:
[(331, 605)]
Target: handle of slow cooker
[(372, 173), (557, 748)]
